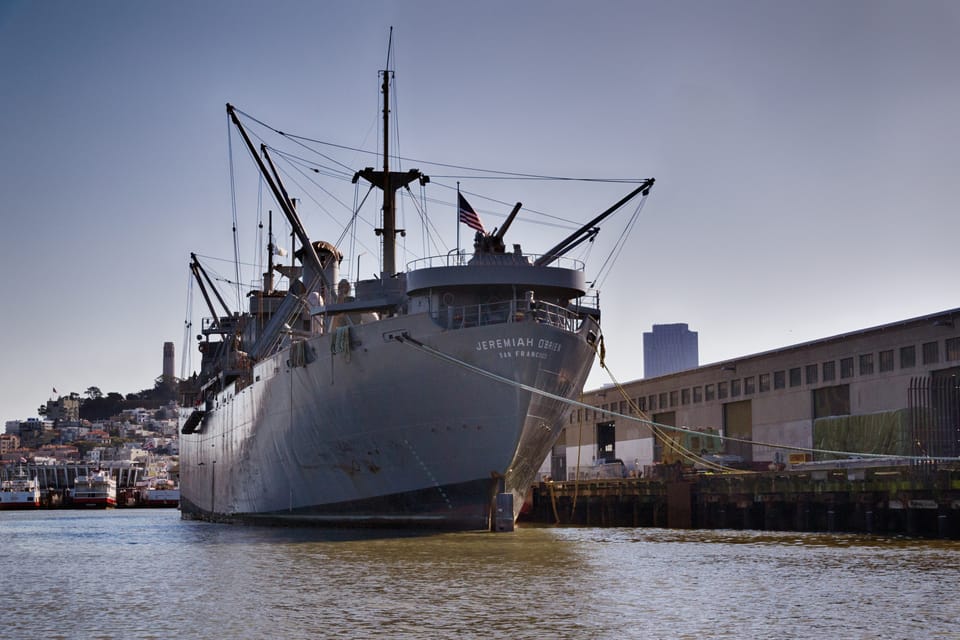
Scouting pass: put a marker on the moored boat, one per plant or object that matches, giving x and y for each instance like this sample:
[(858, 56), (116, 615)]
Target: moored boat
[(411, 399), (160, 492), (97, 490), (20, 492)]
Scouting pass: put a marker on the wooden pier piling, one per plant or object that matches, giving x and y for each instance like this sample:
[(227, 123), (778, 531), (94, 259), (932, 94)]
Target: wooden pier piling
[(918, 500)]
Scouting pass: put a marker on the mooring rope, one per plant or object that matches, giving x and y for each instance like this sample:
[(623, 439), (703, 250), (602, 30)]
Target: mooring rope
[(546, 394)]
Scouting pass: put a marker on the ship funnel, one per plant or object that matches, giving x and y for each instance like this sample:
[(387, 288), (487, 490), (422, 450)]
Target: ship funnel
[(330, 258)]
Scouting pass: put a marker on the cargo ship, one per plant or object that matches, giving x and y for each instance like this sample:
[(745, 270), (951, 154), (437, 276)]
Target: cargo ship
[(426, 397)]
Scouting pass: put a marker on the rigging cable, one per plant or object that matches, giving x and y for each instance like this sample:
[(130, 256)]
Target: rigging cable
[(566, 224), (316, 202), (258, 244), (427, 225), (296, 139), (233, 203), (330, 172), (494, 173), (665, 439), (348, 172), (351, 227), (425, 237), (618, 246), (186, 363), (431, 234)]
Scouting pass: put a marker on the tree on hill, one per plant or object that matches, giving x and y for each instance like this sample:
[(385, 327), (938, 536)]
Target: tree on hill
[(103, 407), (97, 406)]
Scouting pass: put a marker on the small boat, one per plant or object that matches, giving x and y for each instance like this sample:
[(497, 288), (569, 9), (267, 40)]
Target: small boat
[(20, 492), (160, 492), (98, 490)]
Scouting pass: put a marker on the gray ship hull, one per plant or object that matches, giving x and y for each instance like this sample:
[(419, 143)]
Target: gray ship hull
[(373, 431)]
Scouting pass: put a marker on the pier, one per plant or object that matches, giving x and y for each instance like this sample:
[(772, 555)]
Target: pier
[(918, 500)]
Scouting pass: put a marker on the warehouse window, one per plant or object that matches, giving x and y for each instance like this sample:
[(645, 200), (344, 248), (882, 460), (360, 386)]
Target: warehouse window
[(663, 400), (886, 360), (829, 371), (931, 353), (764, 382), (795, 377), (708, 392), (779, 379), (721, 390), (908, 357), (846, 367), (749, 385), (866, 364), (685, 396), (812, 371), (953, 349), (698, 394)]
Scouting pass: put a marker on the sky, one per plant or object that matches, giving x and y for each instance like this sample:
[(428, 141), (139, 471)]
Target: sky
[(805, 157)]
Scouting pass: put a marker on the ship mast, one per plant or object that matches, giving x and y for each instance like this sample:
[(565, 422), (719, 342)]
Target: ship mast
[(388, 182)]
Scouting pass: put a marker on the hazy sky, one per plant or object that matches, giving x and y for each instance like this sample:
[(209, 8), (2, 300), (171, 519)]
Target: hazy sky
[(806, 157)]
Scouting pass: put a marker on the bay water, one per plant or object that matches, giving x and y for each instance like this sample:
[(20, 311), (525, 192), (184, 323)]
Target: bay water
[(135, 573)]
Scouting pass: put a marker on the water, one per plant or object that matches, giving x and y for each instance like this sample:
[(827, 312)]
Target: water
[(147, 574)]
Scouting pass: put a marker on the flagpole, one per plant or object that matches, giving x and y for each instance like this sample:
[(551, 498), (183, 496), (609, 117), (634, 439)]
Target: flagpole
[(457, 210)]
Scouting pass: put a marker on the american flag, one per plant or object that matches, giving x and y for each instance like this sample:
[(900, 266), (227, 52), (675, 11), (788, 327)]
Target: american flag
[(468, 216)]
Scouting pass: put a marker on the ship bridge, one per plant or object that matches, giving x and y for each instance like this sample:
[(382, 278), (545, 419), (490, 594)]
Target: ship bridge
[(512, 270)]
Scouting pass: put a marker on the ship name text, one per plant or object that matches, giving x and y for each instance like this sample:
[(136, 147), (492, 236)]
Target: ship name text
[(520, 347)]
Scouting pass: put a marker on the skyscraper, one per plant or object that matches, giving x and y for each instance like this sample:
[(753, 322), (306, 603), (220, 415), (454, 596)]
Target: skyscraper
[(669, 348)]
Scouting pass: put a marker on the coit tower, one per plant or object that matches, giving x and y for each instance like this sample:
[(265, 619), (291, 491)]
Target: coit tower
[(168, 361)]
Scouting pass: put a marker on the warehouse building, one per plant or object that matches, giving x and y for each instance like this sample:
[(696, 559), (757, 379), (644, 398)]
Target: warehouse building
[(892, 389)]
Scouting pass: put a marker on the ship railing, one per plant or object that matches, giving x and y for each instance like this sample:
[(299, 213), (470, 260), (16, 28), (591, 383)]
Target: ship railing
[(454, 259), (509, 311)]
